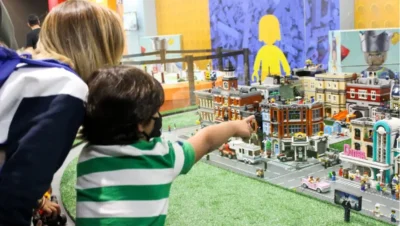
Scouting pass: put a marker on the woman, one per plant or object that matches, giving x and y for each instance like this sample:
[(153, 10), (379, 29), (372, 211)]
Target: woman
[(42, 108)]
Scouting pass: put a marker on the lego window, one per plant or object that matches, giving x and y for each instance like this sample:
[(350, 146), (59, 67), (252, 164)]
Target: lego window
[(250, 153), (334, 85), (315, 128), (312, 85), (320, 97), (373, 95), (357, 134), (329, 84), (352, 93), (225, 85), (294, 128), (329, 97), (320, 84), (369, 151), (334, 98), (316, 113), (362, 94), (357, 146), (294, 115), (304, 114)]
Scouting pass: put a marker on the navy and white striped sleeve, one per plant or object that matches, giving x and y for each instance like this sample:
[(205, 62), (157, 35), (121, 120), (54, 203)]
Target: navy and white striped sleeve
[(39, 120)]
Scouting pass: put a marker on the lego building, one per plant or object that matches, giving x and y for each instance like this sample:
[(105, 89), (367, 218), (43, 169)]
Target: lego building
[(395, 96), (366, 95), (206, 106), (384, 160), (330, 89), (228, 102), (281, 120), (309, 86), (361, 135)]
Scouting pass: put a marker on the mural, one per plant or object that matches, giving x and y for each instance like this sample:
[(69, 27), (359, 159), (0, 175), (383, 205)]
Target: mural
[(269, 57), (369, 52), (304, 28)]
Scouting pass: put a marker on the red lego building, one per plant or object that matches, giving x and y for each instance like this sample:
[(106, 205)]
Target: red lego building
[(365, 95)]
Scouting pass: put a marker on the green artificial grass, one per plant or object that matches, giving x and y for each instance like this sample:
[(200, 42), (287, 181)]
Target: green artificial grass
[(179, 110), (210, 196), (339, 145), (181, 120)]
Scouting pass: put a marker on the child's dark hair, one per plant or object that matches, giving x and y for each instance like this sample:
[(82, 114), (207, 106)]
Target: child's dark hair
[(120, 98)]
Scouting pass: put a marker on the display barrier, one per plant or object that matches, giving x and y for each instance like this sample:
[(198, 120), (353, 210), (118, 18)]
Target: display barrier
[(220, 55)]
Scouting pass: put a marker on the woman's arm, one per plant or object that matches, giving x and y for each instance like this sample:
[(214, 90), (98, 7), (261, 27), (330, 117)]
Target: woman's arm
[(40, 136)]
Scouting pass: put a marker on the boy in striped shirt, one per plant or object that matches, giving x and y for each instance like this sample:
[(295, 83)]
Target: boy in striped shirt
[(126, 170)]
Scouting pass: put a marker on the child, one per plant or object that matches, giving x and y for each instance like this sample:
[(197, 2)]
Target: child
[(126, 171)]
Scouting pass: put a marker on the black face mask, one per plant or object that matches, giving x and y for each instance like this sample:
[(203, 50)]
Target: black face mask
[(156, 132)]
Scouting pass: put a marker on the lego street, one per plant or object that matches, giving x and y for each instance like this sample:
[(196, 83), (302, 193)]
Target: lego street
[(286, 175)]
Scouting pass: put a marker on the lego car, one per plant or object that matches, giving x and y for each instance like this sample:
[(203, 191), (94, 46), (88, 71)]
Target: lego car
[(317, 185), (283, 157), (330, 158)]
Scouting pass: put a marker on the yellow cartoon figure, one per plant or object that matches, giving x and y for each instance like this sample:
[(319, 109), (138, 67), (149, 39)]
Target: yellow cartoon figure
[(270, 57)]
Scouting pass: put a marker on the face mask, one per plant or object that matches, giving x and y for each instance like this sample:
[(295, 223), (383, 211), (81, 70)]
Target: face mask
[(156, 132)]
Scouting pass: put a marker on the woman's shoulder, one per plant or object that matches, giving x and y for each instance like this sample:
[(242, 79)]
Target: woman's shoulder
[(48, 81)]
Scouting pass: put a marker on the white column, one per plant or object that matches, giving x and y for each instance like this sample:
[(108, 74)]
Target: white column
[(146, 19), (295, 153), (305, 152), (346, 14)]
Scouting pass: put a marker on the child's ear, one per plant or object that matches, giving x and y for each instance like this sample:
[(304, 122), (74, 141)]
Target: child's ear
[(140, 128)]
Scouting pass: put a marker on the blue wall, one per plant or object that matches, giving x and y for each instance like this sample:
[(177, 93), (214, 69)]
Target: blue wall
[(304, 27)]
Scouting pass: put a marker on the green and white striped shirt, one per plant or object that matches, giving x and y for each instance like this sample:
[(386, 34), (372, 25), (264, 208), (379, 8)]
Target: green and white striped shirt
[(129, 185)]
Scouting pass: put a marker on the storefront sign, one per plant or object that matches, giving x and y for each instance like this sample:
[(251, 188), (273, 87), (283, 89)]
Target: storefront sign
[(353, 153)]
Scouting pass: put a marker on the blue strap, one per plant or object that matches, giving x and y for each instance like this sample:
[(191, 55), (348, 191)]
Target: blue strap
[(9, 60)]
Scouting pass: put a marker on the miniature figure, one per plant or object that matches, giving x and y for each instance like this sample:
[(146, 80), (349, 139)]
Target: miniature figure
[(333, 176), (311, 179), (378, 187), (358, 175), (340, 171), (260, 173), (362, 186), (393, 216), (395, 179), (169, 128), (208, 157), (309, 63), (393, 190), (377, 210)]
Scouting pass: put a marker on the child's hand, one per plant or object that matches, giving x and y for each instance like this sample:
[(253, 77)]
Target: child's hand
[(243, 128), (50, 208)]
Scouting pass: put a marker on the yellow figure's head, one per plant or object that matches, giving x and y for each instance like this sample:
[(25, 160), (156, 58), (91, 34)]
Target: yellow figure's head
[(269, 29)]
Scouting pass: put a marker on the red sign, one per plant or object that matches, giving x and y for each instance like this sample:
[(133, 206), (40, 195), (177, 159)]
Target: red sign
[(353, 153)]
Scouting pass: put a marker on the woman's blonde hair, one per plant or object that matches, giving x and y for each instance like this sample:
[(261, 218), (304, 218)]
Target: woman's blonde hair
[(84, 35)]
